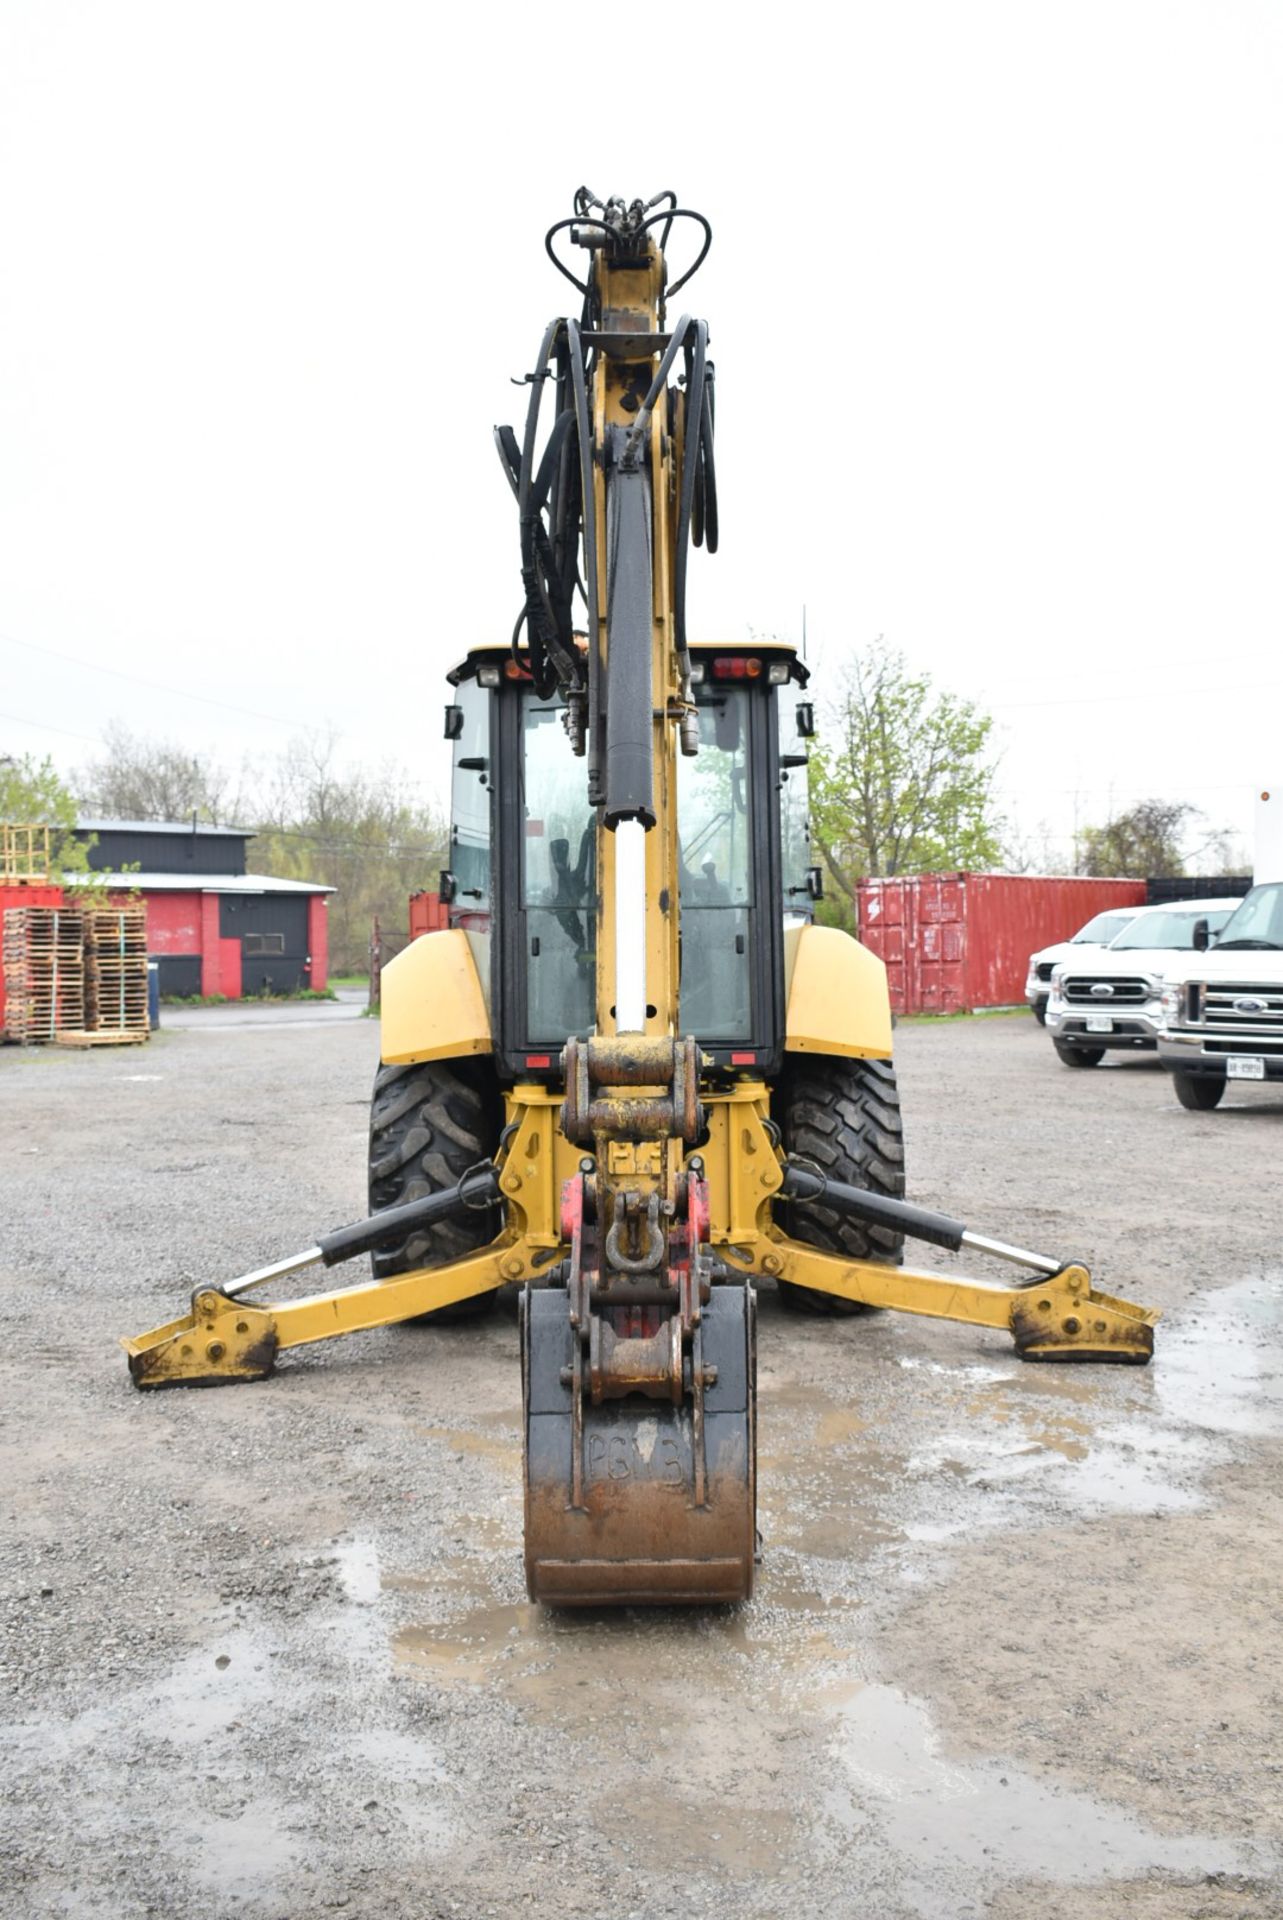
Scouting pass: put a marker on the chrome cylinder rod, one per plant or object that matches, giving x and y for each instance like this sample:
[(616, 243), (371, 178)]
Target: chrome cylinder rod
[(630, 927), (1019, 1256)]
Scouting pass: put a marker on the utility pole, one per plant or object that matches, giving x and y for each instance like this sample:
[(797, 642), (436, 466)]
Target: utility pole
[(376, 964)]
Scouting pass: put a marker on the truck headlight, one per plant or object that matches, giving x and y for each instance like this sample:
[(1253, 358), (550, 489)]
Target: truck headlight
[(1170, 1001), (1058, 983)]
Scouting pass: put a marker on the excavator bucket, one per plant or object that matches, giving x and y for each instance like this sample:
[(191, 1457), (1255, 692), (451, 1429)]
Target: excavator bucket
[(638, 1500)]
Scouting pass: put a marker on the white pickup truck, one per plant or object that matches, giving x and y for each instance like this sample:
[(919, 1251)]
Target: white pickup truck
[(1112, 997), (1098, 932), (1222, 1006)]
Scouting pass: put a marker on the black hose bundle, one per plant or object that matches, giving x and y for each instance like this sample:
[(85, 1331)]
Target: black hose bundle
[(555, 494)]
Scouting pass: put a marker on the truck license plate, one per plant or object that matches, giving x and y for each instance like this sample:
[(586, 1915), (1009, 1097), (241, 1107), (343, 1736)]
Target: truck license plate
[(1245, 1066), (1098, 1025)]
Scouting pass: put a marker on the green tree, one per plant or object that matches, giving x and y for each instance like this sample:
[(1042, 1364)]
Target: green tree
[(1144, 841), (901, 781), (32, 793)]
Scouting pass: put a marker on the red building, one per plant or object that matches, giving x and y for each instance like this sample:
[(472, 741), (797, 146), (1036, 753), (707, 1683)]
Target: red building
[(213, 926)]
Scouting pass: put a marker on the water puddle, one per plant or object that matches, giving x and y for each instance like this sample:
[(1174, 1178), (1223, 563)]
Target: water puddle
[(957, 1824), (467, 1651), (1221, 1368), (213, 1691), (504, 1450), (1029, 1439), (840, 1424), (237, 1857), (358, 1568), (218, 1737)]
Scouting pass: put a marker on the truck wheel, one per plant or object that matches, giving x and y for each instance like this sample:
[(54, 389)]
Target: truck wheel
[(428, 1125), (1040, 1012), (1200, 1093), (1078, 1056), (844, 1115)]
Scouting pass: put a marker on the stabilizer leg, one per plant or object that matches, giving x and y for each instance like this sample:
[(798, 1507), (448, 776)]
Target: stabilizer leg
[(1058, 1316), (223, 1340), (1055, 1314)]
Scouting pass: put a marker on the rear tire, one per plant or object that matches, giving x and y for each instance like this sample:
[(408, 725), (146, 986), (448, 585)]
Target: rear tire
[(1200, 1093), (844, 1115), (1078, 1056), (428, 1124)]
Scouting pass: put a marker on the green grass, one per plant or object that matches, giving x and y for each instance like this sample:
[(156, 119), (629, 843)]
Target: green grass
[(349, 979), (248, 999), (964, 1013)]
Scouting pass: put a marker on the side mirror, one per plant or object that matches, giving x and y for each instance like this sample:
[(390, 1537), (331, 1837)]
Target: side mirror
[(806, 719), (447, 887), (453, 722), (1200, 940), (815, 882)]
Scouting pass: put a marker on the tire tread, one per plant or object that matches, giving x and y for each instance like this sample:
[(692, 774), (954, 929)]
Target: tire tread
[(844, 1115)]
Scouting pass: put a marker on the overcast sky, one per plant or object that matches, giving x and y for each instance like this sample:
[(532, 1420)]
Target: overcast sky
[(996, 304)]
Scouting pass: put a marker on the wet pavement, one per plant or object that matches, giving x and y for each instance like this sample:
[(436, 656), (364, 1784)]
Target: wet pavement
[(349, 1003), (1014, 1645)]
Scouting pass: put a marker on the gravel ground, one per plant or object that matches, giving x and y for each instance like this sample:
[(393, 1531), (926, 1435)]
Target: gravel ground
[(1016, 1647)]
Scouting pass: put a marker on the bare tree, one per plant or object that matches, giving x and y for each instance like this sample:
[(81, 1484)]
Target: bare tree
[(360, 830), (142, 779), (1035, 849)]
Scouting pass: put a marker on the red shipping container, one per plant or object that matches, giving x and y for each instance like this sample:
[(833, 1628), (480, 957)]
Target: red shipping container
[(957, 941), (428, 914)]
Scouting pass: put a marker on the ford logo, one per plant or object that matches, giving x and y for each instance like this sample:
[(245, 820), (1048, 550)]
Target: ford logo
[(1102, 990), (1248, 1003)]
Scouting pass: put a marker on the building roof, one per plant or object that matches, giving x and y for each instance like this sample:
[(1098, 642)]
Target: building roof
[(202, 828), (209, 883)]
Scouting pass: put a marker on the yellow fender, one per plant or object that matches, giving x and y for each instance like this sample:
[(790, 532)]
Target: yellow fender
[(433, 1002), (837, 995)]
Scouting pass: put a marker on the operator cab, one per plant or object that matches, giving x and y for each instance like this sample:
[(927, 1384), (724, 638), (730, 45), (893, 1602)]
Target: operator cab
[(522, 875)]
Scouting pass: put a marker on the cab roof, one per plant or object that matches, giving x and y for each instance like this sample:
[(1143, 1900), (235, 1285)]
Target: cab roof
[(767, 649)]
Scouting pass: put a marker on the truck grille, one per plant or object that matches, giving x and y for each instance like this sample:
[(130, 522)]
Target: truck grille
[(1043, 969), (1219, 1009), (1127, 991)]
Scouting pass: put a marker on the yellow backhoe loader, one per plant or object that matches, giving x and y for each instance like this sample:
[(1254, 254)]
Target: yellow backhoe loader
[(633, 1076)]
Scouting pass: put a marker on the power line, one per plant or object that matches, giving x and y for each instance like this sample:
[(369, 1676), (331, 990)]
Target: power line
[(138, 679), (45, 726), (1186, 786), (1111, 699)]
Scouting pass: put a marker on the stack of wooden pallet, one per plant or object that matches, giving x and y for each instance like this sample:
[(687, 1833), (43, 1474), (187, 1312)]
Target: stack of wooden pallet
[(115, 977), (44, 972), (25, 856)]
